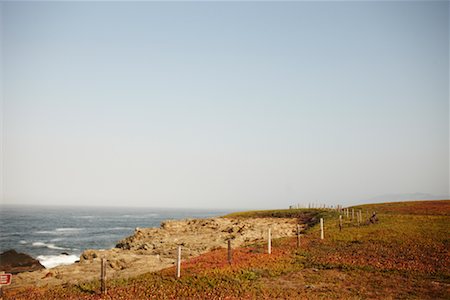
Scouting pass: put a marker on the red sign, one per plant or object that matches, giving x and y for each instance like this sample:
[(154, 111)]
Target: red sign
[(5, 279)]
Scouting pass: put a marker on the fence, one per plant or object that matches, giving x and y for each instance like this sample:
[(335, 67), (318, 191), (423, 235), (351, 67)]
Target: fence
[(343, 212)]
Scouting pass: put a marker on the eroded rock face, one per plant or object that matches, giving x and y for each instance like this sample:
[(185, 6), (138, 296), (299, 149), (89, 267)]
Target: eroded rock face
[(201, 235), (13, 262)]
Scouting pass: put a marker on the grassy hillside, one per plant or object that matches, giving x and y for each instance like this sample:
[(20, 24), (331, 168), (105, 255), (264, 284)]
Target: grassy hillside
[(309, 217), (441, 207), (403, 256)]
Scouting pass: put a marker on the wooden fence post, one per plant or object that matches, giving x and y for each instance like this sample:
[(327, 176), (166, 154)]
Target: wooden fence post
[(1, 289), (103, 276), (179, 262), (340, 222), (321, 229), (269, 242), (229, 252), (353, 214)]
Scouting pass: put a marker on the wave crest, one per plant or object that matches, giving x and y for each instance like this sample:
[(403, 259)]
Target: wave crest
[(49, 246), (51, 261)]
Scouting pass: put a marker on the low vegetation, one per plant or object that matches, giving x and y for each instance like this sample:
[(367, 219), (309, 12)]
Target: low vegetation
[(277, 213), (405, 255), (309, 217)]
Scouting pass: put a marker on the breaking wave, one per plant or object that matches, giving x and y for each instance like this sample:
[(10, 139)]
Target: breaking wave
[(49, 246), (51, 261)]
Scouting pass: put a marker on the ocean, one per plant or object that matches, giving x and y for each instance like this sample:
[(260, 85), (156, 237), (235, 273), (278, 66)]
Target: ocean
[(58, 235)]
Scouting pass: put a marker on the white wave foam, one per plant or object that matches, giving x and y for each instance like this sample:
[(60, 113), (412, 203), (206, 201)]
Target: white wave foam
[(59, 231), (150, 215), (49, 246), (68, 229), (51, 261), (23, 242), (121, 228)]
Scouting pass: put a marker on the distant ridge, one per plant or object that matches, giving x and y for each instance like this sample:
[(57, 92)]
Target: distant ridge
[(405, 197)]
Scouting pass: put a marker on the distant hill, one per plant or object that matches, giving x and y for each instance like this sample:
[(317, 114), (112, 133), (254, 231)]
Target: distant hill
[(405, 197)]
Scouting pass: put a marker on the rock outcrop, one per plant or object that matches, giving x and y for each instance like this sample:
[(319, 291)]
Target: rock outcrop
[(14, 262), (152, 249), (197, 236)]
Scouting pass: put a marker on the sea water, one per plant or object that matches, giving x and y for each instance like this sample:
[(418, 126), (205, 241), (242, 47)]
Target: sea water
[(58, 235)]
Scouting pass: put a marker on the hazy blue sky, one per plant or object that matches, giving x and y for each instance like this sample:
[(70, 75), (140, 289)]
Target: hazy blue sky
[(227, 105)]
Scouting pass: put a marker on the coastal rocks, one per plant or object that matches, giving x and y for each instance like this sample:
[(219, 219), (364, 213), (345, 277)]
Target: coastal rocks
[(88, 255), (118, 264), (153, 249), (13, 262), (201, 235)]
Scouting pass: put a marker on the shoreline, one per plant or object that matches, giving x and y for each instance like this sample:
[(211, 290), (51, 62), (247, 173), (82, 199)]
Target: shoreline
[(153, 249), (45, 233)]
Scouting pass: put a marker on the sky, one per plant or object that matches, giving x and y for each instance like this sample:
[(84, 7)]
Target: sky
[(223, 104)]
